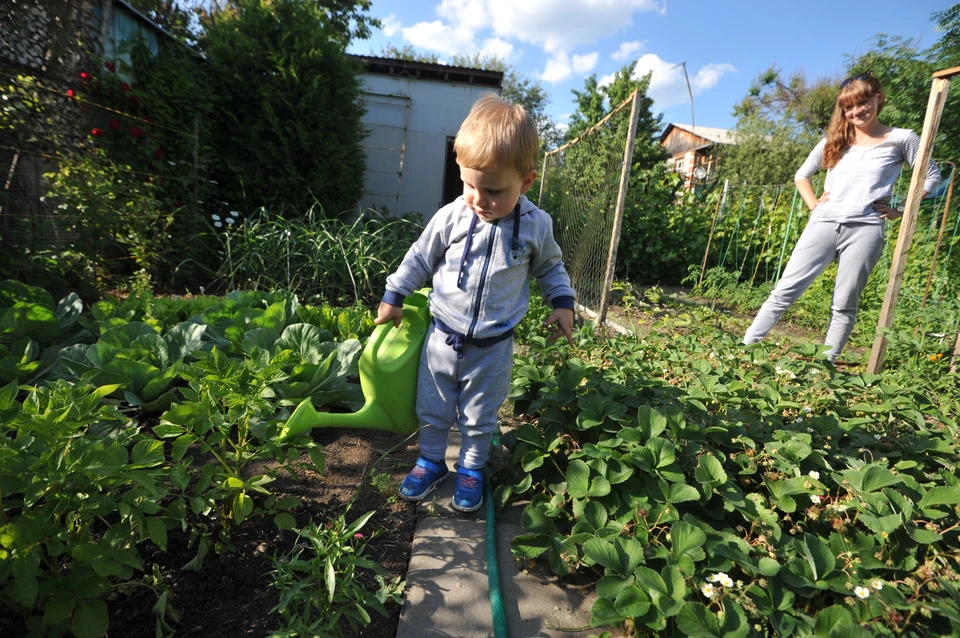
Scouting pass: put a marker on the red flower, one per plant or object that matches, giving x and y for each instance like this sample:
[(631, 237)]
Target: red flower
[(110, 65), (114, 124), (158, 152), (84, 75), (134, 100), (97, 132), (71, 93), (136, 131), (124, 87)]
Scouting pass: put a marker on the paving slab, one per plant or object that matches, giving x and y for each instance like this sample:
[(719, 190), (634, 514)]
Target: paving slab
[(447, 584)]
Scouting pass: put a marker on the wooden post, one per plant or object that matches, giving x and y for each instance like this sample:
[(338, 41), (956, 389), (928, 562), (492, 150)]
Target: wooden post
[(716, 215), (921, 164), (621, 202), (955, 355), (543, 179)]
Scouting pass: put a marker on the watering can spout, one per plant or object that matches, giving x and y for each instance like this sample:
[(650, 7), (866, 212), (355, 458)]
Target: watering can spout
[(388, 377)]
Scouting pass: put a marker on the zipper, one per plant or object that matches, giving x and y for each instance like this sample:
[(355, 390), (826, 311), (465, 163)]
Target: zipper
[(483, 279)]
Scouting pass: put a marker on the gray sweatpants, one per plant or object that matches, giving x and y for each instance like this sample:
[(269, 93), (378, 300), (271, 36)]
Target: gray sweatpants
[(464, 392), (856, 247)]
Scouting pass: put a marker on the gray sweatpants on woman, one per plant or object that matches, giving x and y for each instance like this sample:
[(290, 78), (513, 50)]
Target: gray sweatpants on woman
[(465, 392), (857, 248)]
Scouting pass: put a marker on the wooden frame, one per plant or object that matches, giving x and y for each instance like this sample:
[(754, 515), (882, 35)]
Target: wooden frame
[(938, 98)]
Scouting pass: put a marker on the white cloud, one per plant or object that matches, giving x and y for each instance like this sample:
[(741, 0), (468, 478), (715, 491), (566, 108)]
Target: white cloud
[(606, 80), (583, 64), (390, 25), (562, 25), (667, 84), (439, 37), (561, 66), (465, 12), (497, 47), (626, 50), (557, 69), (559, 28)]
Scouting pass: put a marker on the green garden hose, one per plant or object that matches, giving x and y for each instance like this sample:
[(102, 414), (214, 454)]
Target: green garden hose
[(493, 572)]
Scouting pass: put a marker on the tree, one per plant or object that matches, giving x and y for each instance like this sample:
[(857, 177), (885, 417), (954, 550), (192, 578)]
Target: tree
[(766, 151), (778, 122), (807, 105), (594, 102), (905, 70), (288, 126), (177, 17)]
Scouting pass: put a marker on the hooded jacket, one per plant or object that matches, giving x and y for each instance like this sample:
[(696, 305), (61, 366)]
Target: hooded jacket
[(494, 291)]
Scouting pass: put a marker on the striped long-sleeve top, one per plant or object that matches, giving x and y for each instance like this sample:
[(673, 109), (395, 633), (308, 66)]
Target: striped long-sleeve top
[(863, 176)]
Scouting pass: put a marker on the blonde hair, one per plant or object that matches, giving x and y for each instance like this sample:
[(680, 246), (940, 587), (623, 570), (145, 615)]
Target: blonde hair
[(497, 132), (841, 134)]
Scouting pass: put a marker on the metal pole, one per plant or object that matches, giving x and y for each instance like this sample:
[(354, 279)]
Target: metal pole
[(621, 202)]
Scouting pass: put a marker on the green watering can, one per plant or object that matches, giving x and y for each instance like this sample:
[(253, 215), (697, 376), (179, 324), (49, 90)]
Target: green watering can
[(388, 378)]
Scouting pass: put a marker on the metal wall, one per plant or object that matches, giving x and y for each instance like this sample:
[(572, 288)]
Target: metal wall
[(409, 122)]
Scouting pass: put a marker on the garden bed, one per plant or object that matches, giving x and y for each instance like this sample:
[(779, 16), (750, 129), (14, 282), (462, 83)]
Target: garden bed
[(231, 596)]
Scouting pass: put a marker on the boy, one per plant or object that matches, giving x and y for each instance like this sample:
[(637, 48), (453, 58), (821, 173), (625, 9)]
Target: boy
[(479, 251)]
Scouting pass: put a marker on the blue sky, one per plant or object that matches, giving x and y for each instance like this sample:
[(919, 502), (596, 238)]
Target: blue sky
[(725, 43)]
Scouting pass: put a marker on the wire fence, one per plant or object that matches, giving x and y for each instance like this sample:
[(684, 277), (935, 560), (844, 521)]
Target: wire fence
[(583, 185)]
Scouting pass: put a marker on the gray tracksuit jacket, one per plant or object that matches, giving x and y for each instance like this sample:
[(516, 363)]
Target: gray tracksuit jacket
[(481, 286)]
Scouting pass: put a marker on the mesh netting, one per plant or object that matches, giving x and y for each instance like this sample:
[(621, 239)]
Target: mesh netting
[(579, 188), (43, 46)]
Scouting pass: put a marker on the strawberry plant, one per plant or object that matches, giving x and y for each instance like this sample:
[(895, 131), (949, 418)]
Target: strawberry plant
[(714, 489)]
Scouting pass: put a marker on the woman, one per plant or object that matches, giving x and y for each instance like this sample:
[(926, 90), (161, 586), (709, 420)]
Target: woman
[(863, 159)]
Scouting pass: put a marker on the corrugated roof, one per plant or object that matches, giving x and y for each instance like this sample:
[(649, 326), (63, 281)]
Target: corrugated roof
[(430, 71), (716, 135)]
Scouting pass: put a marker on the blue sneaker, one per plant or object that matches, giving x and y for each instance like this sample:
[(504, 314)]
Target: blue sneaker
[(468, 497), (422, 479)]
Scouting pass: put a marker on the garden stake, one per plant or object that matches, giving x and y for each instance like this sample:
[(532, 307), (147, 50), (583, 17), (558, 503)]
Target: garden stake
[(388, 377), (943, 226)]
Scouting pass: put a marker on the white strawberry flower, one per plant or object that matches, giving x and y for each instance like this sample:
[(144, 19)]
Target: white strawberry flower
[(876, 584), (862, 592), (816, 499), (815, 475), (708, 590)]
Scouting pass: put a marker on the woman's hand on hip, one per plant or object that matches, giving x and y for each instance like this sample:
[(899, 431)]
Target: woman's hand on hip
[(823, 198), (886, 212)]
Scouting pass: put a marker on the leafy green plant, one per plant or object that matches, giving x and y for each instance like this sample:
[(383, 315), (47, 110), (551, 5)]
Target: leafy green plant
[(138, 360), (712, 489), (33, 330), (319, 259), (80, 489), (228, 413), (322, 580), (384, 483)]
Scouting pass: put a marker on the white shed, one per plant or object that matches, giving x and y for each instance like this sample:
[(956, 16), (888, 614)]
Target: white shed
[(414, 110)]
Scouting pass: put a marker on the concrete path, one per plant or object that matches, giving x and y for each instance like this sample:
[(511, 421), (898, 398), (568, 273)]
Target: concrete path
[(447, 587)]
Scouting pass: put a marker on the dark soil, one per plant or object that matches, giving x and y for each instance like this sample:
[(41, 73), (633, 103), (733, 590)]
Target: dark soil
[(230, 596)]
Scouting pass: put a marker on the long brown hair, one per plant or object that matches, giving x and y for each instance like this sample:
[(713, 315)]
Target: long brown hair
[(840, 132)]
